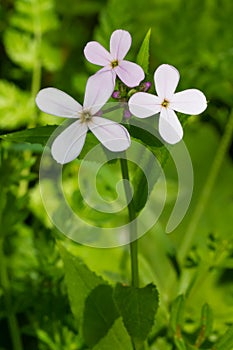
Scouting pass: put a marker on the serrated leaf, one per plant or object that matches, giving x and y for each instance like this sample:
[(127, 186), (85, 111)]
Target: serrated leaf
[(93, 306), (143, 54), (15, 106), (21, 48), (226, 341), (80, 283), (177, 313), (138, 307), (117, 338), (99, 314)]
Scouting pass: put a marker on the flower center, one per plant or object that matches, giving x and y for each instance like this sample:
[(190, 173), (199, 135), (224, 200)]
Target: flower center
[(114, 63), (165, 103), (85, 116)]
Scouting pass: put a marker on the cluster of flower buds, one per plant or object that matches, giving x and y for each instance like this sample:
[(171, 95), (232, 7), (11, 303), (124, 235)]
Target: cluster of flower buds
[(124, 93)]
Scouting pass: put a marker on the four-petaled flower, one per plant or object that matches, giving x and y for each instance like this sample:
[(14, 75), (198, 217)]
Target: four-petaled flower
[(191, 101), (68, 145), (131, 74)]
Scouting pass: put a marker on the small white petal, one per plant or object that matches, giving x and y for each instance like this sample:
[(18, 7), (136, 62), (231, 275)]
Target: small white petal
[(120, 43), (130, 73), (112, 135), (144, 105), (68, 145), (97, 54), (57, 102), (166, 79), (170, 128), (99, 88), (190, 101)]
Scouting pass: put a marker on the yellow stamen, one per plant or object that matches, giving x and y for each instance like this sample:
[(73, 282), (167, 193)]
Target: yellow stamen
[(165, 103), (85, 116), (114, 64)]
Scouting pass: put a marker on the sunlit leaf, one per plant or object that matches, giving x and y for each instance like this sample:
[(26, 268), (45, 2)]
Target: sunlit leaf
[(143, 54)]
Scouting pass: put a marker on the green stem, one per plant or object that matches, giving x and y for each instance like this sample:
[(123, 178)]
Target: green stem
[(133, 227), (11, 317), (205, 195)]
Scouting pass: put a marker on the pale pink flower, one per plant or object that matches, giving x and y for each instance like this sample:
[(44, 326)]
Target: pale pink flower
[(131, 74), (191, 101), (68, 145)]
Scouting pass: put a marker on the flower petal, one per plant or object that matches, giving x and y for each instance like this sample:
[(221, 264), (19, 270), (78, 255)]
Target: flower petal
[(97, 54), (130, 73), (112, 135), (99, 88), (166, 79), (191, 101), (68, 145), (170, 128), (120, 43), (57, 102), (144, 105)]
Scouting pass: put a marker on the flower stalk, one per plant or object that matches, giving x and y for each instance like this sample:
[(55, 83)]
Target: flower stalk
[(133, 226)]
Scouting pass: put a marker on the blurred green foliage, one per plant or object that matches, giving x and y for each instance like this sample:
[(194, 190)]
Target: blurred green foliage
[(42, 45)]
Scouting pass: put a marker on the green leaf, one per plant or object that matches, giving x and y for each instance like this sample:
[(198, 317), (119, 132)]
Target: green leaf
[(99, 314), (143, 54), (206, 324), (180, 344), (226, 341), (177, 314), (15, 106), (117, 338), (39, 135), (21, 48), (93, 306), (80, 283), (145, 133), (139, 130), (138, 307)]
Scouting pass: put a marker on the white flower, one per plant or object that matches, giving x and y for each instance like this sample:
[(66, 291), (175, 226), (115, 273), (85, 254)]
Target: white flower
[(130, 73), (191, 101), (68, 145)]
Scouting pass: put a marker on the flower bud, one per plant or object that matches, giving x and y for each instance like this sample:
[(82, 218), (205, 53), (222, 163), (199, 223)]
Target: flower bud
[(116, 94), (145, 86), (126, 114), (99, 113)]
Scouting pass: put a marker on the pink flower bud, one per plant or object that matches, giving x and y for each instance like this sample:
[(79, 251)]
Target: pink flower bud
[(126, 114), (116, 94), (145, 86)]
